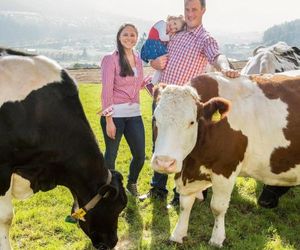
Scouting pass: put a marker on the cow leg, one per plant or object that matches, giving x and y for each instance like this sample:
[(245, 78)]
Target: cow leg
[(6, 216), (5, 178), (222, 188), (180, 231), (270, 195)]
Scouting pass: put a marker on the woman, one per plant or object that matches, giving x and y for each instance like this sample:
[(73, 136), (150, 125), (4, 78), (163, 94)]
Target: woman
[(122, 79)]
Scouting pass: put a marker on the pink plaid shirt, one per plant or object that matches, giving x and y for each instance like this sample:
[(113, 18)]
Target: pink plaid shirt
[(189, 53), (117, 89)]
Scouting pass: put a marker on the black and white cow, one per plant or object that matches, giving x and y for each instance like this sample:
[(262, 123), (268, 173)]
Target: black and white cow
[(277, 58), (45, 141)]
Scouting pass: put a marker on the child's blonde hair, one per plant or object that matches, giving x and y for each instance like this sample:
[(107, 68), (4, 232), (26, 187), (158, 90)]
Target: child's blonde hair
[(179, 18)]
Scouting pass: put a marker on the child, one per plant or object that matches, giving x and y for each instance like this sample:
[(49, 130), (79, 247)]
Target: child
[(159, 35)]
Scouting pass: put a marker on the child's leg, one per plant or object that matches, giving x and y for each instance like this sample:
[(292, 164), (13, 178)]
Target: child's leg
[(156, 77)]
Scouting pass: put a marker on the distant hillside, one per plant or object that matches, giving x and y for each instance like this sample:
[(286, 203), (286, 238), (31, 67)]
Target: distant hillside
[(288, 32), (35, 29), (26, 28)]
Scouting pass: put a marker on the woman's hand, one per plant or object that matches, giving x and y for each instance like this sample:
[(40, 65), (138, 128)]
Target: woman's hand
[(110, 127)]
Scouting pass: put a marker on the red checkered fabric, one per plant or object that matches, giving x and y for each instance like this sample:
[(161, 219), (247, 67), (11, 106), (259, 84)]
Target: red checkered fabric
[(189, 53)]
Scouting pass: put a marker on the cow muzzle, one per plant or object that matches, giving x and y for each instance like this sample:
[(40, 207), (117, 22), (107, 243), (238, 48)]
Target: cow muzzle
[(104, 241), (164, 164), (102, 246)]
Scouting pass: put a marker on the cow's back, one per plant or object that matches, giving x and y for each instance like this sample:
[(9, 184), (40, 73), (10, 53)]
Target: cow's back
[(21, 74)]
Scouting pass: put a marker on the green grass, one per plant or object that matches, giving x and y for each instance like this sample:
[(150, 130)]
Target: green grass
[(39, 221)]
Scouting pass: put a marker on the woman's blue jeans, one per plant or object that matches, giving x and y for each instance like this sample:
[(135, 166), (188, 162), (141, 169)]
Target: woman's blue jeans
[(133, 130)]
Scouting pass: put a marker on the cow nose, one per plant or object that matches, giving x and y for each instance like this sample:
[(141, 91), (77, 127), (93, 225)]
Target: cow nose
[(165, 162), (102, 246), (105, 241)]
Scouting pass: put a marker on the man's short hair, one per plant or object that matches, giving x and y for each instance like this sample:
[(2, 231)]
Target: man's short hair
[(202, 2)]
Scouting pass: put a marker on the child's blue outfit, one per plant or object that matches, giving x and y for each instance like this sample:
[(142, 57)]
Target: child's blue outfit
[(156, 44)]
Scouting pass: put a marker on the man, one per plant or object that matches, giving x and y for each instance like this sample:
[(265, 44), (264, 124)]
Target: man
[(189, 52)]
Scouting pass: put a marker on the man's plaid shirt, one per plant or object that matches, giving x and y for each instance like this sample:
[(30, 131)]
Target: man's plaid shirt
[(189, 53)]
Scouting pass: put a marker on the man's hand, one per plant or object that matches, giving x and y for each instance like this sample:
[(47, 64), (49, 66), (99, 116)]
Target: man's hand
[(160, 62), (232, 73), (222, 64)]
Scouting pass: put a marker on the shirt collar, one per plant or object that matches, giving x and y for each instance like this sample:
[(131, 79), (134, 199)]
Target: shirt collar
[(197, 31)]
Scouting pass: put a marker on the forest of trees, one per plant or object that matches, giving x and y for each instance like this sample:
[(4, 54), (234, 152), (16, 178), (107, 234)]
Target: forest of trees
[(288, 32)]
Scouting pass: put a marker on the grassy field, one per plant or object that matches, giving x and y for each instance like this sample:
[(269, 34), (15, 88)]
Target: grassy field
[(39, 221)]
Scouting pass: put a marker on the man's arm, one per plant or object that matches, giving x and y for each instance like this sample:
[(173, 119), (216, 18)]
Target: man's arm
[(222, 64)]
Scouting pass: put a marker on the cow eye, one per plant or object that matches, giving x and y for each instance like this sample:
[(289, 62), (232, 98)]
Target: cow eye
[(192, 123)]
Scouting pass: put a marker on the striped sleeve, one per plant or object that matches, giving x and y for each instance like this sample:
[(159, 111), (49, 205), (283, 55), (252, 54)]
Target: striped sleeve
[(211, 49), (107, 75)]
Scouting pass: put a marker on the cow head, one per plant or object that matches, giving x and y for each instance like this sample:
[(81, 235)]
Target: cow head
[(101, 222), (177, 115)]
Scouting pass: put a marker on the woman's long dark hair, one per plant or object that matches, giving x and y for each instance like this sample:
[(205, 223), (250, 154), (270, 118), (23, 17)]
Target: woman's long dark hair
[(126, 69)]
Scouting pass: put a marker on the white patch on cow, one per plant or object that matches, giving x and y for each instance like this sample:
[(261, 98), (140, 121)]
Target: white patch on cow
[(20, 75), (193, 187), (200, 196), (261, 63), (6, 216), (178, 111), (291, 73), (21, 187)]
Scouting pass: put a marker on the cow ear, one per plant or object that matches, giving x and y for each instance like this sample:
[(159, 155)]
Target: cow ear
[(216, 109), (111, 191), (296, 50), (200, 110), (158, 88), (256, 50)]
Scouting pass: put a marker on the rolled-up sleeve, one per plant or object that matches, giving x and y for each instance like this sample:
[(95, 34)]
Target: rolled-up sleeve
[(107, 75), (211, 49)]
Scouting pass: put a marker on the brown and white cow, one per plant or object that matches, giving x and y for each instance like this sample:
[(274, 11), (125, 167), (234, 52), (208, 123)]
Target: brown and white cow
[(219, 128)]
